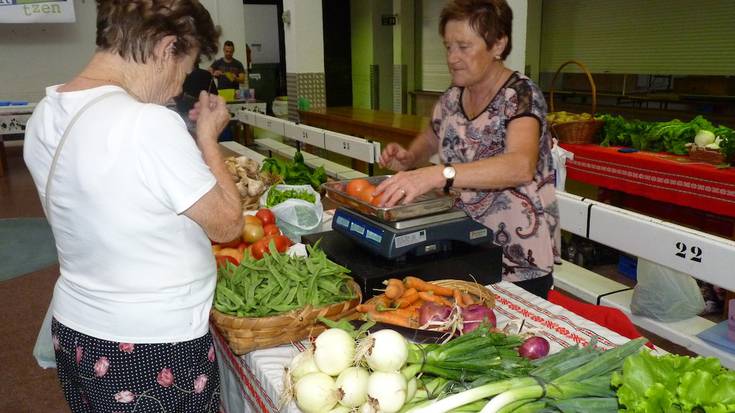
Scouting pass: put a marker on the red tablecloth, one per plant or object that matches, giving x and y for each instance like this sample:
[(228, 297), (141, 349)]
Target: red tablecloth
[(660, 176)]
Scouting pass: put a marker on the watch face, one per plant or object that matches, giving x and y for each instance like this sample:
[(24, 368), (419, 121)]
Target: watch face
[(449, 172)]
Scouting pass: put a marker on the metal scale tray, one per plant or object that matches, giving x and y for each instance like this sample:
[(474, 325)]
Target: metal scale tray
[(432, 202)]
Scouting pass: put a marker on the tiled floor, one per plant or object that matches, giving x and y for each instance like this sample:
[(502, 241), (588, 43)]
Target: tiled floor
[(26, 387)]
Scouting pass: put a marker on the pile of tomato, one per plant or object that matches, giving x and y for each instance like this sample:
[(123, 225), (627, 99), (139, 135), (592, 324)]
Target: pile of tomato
[(363, 190), (258, 232)]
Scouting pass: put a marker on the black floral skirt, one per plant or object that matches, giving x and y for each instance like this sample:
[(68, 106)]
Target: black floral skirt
[(108, 376)]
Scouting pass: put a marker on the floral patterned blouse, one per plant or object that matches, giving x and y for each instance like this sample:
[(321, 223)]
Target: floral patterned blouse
[(525, 218)]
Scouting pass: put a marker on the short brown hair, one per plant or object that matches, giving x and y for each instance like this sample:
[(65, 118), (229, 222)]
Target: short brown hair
[(491, 19), (131, 28)]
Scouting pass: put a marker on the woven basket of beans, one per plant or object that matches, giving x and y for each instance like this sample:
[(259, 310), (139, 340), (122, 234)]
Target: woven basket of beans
[(245, 334)]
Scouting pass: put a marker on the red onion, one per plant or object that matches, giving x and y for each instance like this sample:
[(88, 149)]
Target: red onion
[(433, 312), (475, 314), (534, 348)]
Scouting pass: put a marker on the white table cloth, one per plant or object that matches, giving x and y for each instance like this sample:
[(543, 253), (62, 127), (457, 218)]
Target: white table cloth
[(253, 382)]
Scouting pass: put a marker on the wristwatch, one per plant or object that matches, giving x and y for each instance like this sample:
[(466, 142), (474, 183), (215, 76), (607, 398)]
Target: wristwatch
[(449, 172)]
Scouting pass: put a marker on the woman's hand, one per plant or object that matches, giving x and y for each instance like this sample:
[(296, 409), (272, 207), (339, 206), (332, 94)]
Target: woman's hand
[(406, 186), (396, 157), (211, 116)]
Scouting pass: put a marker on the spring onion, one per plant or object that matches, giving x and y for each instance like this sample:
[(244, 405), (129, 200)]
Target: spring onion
[(571, 373)]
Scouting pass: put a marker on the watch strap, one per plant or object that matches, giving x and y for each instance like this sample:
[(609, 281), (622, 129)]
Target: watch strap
[(449, 181)]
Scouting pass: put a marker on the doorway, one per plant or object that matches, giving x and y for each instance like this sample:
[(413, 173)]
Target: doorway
[(337, 52), (265, 38)]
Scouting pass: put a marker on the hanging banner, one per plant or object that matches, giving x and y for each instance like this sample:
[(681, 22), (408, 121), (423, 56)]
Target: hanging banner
[(37, 11)]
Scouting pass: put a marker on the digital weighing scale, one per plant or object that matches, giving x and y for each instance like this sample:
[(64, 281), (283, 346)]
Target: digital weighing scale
[(427, 238), (414, 236)]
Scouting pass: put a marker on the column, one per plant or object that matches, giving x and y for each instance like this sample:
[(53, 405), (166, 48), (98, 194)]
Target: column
[(304, 54), (403, 54)]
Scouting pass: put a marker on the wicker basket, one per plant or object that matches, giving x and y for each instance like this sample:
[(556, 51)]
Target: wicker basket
[(581, 131), (700, 154), (245, 334)]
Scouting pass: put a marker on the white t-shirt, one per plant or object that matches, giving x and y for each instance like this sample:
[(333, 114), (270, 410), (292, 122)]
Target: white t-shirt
[(133, 267)]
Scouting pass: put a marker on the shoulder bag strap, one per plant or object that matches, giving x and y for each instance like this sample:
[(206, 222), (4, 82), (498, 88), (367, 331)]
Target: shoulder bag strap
[(62, 141)]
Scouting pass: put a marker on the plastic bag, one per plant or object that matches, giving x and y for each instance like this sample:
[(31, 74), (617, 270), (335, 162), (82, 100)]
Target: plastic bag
[(296, 217), (559, 158), (665, 294), (43, 351)]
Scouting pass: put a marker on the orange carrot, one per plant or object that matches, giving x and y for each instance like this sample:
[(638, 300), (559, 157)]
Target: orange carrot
[(394, 288), (406, 300), (428, 296), (391, 318), (416, 305), (381, 300), (467, 299), (458, 299), (364, 308), (421, 285), (409, 291), (408, 312)]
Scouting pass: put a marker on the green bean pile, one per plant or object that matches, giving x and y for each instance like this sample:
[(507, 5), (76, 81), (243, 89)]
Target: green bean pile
[(278, 283)]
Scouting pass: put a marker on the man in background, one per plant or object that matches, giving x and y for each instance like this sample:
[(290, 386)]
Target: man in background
[(228, 71)]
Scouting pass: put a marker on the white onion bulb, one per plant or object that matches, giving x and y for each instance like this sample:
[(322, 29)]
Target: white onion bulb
[(352, 386), (388, 351), (334, 351), (302, 364), (316, 393), (388, 390)]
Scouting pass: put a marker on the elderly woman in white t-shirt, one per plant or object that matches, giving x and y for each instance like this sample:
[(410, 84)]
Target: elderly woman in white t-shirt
[(133, 200)]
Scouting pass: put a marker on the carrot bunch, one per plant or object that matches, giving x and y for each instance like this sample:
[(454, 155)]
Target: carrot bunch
[(402, 299)]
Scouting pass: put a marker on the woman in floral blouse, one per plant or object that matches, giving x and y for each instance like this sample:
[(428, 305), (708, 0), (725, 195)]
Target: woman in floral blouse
[(490, 132)]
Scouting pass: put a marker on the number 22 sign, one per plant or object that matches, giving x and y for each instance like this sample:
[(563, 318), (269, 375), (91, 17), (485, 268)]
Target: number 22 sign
[(695, 253)]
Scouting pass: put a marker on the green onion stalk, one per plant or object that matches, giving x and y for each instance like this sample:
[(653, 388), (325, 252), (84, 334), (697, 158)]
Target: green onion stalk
[(572, 373)]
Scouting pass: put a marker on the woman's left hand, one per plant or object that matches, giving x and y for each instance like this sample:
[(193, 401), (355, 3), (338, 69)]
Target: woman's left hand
[(406, 186)]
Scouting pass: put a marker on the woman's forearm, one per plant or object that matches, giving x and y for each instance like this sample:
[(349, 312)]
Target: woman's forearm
[(423, 147)]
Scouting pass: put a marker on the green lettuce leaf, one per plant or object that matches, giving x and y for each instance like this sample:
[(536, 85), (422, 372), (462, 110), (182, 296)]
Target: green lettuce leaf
[(673, 383)]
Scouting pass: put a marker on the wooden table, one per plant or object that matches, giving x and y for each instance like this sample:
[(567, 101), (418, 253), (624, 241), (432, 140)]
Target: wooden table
[(383, 127)]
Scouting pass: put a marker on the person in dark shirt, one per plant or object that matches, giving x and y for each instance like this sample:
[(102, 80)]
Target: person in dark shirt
[(228, 71), (199, 79)]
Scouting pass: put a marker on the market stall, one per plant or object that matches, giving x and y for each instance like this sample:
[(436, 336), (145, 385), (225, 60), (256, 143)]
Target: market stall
[(663, 177), (254, 382)]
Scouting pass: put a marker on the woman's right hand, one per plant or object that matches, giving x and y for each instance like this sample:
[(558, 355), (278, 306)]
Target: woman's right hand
[(211, 116), (396, 157)]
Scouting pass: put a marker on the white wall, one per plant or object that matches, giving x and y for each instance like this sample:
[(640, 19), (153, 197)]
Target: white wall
[(230, 15), (33, 56), (517, 58), (434, 73), (261, 28), (303, 37)]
